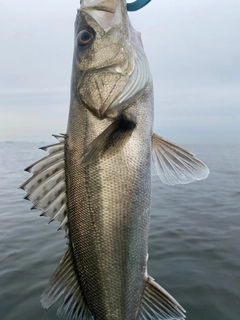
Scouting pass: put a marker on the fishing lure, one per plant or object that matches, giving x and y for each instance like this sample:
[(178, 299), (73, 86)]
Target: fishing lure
[(136, 5)]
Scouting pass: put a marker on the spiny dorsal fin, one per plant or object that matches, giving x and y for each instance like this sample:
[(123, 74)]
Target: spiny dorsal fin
[(174, 164), (46, 189), (42, 175), (110, 140), (64, 282), (157, 303)]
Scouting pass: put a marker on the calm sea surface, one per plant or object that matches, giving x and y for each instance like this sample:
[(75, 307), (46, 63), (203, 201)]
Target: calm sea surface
[(194, 241)]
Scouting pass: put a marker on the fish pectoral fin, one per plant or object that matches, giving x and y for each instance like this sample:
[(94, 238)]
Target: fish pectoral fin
[(175, 165), (64, 282), (157, 303), (111, 140)]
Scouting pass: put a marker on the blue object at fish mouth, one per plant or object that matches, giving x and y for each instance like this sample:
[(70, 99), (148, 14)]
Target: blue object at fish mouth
[(138, 4)]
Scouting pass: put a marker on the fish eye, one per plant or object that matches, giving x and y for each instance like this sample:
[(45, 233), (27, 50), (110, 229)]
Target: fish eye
[(84, 37)]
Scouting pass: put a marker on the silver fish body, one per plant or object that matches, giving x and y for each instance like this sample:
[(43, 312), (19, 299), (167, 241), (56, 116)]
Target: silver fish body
[(97, 180), (108, 208), (109, 199)]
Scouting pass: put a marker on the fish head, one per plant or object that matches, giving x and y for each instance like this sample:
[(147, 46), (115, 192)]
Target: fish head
[(110, 68)]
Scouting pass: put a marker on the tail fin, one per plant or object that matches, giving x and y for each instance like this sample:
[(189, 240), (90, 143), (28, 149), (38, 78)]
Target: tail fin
[(158, 304)]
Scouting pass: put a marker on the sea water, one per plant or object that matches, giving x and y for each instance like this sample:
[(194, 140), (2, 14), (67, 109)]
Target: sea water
[(194, 240)]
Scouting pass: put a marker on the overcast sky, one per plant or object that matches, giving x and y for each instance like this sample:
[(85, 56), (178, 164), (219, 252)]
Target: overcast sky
[(193, 48)]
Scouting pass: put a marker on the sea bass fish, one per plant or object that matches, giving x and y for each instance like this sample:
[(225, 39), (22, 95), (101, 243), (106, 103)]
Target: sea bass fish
[(97, 179)]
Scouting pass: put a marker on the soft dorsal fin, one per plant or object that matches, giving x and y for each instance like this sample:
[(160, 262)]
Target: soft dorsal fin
[(46, 189), (64, 282), (175, 165), (157, 303)]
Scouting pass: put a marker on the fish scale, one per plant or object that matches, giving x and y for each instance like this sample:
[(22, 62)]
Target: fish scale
[(107, 222)]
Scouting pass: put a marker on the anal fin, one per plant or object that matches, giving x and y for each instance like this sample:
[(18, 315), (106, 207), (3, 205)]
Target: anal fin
[(158, 304), (64, 282)]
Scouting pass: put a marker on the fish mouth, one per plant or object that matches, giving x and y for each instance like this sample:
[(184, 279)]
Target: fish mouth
[(99, 5), (105, 13)]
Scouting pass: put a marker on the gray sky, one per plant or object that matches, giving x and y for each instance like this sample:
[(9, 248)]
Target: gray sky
[(193, 48)]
